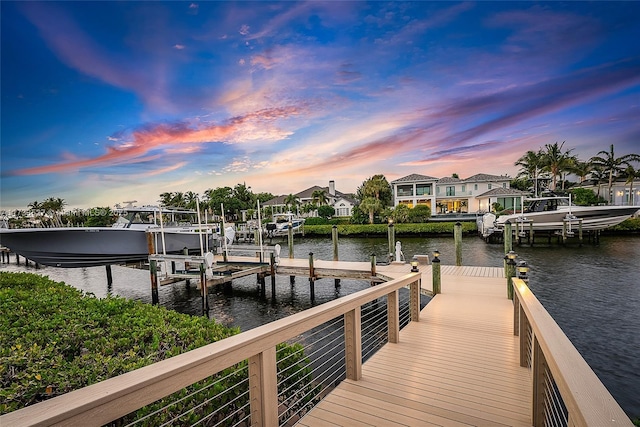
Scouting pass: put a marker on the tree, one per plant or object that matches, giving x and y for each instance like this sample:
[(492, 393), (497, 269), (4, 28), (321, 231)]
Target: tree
[(584, 197), (400, 213), (319, 197), (419, 213), (555, 161), (191, 200), (581, 169), (370, 205), (631, 174), (531, 163), (291, 201), (326, 211), (215, 197), (613, 165)]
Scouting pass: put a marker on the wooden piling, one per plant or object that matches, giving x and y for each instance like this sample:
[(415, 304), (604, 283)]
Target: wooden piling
[(204, 291), (272, 272), (531, 235), (435, 272), (312, 278), (109, 275), (292, 279), (457, 235), (391, 234), (508, 245), (153, 272)]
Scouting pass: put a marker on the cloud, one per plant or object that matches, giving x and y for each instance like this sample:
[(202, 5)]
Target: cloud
[(257, 125)]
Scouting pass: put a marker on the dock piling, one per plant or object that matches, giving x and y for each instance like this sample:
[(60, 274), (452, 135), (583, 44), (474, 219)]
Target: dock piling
[(435, 272), (312, 278), (508, 245), (391, 234), (153, 272), (272, 272), (457, 235), (334, 239)]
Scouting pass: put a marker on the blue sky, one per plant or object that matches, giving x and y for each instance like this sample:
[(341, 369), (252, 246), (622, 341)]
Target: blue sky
[(103, 102)]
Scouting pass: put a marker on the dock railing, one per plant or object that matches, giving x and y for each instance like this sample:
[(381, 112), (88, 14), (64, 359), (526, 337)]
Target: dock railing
[(252, 360), (565, 390)]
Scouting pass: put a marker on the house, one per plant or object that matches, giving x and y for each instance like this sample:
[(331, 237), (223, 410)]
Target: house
[(450, 194), (341, 202), (622, 193)]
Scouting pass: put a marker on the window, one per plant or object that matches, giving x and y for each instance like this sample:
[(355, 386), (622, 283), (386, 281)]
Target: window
[(423, 189), (475, 187), (489, 186), (464, 188), (438, 190), (405, 190), (504, 185), (451, 190)]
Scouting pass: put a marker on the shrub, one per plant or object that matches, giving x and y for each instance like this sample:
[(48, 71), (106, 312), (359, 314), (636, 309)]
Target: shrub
[(55, 339)]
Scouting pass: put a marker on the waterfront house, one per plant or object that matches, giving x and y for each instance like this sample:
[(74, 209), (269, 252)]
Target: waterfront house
[(343, 203), (621, 194), (454, 195)]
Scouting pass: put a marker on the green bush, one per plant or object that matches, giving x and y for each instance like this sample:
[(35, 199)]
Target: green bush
[(381, 229), (55, 339)]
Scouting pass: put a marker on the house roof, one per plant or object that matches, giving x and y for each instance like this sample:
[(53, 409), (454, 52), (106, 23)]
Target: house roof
[(502, 192), (413, 178), (486, 177), (448, 180)]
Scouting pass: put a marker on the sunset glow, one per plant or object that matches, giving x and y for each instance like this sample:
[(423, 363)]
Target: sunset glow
[(110, 101)]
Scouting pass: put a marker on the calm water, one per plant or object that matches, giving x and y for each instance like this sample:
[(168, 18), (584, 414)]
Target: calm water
[(592, 292)]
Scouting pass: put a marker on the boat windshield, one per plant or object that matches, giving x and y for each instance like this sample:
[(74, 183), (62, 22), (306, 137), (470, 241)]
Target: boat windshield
[(543, 205)]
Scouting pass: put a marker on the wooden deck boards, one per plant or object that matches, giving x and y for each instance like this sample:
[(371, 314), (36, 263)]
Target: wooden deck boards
[(458, 366)]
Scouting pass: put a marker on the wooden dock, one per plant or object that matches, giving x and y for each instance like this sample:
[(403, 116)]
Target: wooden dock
[(458, 366)]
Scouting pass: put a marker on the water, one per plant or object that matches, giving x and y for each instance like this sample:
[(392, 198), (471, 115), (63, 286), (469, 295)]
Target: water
[(593, 293)]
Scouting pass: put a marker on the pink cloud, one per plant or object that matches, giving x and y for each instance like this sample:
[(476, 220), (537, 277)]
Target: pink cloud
[(165, 135)]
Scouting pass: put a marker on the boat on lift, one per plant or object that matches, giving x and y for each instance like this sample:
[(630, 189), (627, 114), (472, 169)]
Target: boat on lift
[(136, 233), (281, 224), (551, 213)]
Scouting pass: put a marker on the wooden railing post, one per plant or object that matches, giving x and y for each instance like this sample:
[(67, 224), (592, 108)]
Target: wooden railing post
[(524, 337), (435, 273), (414, 302), (393, 317), (538, 373), (263, 388), (353, 344)]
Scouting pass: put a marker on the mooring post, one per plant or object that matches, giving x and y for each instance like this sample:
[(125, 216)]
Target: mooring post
[(312, 277), (580, 231), (435, 272), (290, 240), (508, 235), (17, 259), (510, 259), (564, 232), (334, 239), (531, 232), (391, 234), (153, 272), (373, 268), (272, 272), (109, 275), (204, 291), (457, 235)]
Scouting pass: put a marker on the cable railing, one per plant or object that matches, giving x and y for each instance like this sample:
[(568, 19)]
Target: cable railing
[(270, 375), (566, 391)]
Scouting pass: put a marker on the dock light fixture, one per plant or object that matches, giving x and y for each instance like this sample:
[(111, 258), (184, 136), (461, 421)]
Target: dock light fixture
[(414, 266), (436, 254), (523, 270)]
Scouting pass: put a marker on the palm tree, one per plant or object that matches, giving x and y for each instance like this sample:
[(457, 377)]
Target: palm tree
[(370, 205), (613, 165), (631, 174), (291, 201), (530, 166), (555, 161), (191, 200), (581, 169), (165, 199), (319, 197)]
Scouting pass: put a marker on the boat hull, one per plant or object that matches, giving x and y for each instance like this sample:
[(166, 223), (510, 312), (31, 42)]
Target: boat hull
[(92, 246), (592, 217)]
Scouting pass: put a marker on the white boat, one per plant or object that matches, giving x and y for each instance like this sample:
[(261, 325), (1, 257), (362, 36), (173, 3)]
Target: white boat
[(553, 212), (138, 232), (281, 224)]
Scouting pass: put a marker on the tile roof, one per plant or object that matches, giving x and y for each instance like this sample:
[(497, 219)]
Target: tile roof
[(486, 177), (448, 179), (413, 178), (503, 192)]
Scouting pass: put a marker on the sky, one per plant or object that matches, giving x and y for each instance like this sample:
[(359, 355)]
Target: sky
[(106, 102)]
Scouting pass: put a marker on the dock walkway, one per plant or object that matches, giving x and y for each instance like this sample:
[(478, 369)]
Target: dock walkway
[(458, 366)]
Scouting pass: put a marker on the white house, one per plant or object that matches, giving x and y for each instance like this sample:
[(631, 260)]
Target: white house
[(448, 194)]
